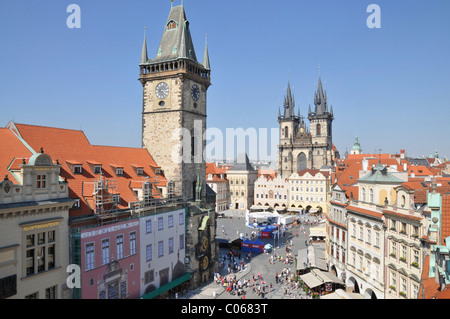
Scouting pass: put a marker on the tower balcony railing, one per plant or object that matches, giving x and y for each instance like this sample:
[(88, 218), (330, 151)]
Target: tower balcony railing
[(183, 65)]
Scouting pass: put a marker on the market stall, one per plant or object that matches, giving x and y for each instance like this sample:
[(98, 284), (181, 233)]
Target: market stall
[(256, 246)]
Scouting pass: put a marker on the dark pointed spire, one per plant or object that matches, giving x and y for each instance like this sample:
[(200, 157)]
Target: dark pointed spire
[(206, 54), (144, 55), (289, 103), (176, 41), (320, 99)]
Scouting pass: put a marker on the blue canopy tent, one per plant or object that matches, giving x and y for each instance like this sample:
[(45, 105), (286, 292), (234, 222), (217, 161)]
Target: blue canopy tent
[(256, 246), (266, 232)]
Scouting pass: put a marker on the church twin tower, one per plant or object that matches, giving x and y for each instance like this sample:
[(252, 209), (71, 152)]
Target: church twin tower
[(302, 147), (175, 88)]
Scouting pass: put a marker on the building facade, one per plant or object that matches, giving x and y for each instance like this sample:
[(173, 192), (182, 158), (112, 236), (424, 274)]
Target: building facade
[(242, 177), (271, 191), (34, 213), (216, 178), (309, 190), (337, 234)]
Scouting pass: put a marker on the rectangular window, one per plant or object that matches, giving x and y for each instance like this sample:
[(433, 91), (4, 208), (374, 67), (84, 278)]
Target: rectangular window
[(148, 226), (148, 252), (170, 221), (133, 243), (51, 236), (181, 218), (51, 257), (90, 256), (369, 236), (119, 244), (41, 181), (404, 288), (50, 293), (415, 292), (41, 259), (160, 223), (361, 233), (77, 169), (105, 251), (182, 241), (30, 262), (416, 256), (97, 169), (377, 239), (170, 245), (160, 248)]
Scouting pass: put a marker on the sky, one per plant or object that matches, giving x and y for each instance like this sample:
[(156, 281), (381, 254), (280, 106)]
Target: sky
[(389, 86)]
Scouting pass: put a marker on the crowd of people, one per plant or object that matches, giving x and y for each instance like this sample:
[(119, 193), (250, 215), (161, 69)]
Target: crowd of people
[(233, 264)]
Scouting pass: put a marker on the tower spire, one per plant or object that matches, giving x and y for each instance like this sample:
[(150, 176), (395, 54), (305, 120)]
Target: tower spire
[(206, 55), (144, 55)]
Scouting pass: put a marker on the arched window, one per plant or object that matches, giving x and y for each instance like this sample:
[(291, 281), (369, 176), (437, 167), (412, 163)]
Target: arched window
[(171, 25), (363, 191), (318, 129), (371, 195), (286, 132)]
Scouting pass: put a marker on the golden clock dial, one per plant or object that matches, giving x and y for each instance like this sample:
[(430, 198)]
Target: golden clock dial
[(205, 261), (204, 244)]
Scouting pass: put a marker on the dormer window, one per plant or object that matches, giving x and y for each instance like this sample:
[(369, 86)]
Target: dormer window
[(78, 169), (119, 171), (140, 171), (171, 25), (157, 171), (97, 169), (210, 177)]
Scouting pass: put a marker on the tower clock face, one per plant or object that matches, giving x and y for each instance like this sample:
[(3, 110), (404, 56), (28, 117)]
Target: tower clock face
[(162, 90), (195, 92), (204, 244), (205, 262)]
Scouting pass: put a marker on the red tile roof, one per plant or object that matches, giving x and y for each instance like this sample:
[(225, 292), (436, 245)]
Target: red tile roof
[(313, 172), (365, 211), (71, 146), (12, 151), (212, 169)]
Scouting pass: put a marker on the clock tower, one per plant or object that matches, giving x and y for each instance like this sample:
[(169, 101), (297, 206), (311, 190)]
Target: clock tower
[(175, 88), (175, 85)]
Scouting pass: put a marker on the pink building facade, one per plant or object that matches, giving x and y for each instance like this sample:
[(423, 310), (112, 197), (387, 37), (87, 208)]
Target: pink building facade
[(110, 261)]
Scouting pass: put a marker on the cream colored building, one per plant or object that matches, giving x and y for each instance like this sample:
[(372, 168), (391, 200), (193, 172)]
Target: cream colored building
[(406, 225), (34, 246), (309, 189), (271, 190), (216, 178), (366, 271), (242, 177)]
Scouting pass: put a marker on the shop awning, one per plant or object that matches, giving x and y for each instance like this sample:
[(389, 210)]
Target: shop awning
[(316, 278), (312, 280), (167, 287)]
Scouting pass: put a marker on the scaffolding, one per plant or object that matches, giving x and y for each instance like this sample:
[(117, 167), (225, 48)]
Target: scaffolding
[(103, 196), (152, 197)]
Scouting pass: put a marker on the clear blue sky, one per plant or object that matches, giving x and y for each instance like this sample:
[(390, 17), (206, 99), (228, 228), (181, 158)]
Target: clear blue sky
[(390, 86)]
